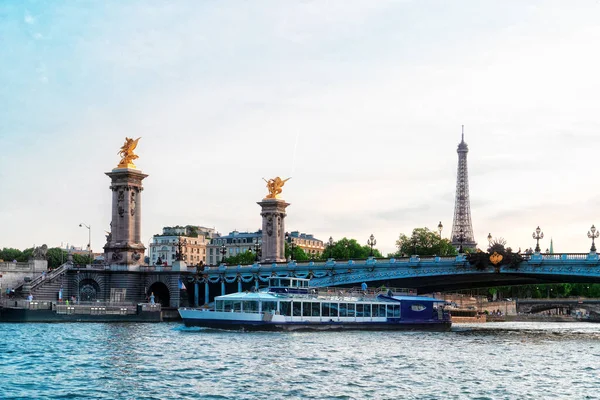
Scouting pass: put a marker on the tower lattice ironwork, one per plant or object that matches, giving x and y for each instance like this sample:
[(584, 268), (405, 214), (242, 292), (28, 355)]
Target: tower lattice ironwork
[(462, 228)]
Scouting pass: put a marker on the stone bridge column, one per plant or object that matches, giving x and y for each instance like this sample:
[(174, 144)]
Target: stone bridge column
[(273, 230), (124, 246)]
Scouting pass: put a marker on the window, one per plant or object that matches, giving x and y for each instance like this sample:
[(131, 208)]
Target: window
[(297, 309), (250, 306), (396, 310), (390, 311), (285, 308), (343, 309), (269, 306), (219, 305), (306, 309), (227, 305), (237, 306), (417, 307), (326, 309), (351, 310), (316, 309), (367, 310), (360, 310)]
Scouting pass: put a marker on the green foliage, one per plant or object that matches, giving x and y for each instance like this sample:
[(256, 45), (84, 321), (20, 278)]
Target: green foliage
[(345, 249), (10, 254), (299, 253), (245, 258), (428, 243), (81, 259), (56, 257)]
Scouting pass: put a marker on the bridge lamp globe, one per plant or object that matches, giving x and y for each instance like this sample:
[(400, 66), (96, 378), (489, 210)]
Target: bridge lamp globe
[(440, 227), (593, 234), (489, 238)]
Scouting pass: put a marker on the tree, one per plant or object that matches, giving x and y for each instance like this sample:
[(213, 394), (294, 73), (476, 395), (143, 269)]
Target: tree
[(56, 257), (299, 253), (428, 243), (10, 254), (245, 258), (345, 249)]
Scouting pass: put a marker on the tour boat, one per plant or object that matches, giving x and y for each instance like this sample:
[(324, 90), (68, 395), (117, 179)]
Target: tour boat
[(291, 304)]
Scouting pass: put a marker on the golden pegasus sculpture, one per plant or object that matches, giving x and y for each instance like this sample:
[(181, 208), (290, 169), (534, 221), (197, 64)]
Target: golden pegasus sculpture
[(126, 153), (274, 186)]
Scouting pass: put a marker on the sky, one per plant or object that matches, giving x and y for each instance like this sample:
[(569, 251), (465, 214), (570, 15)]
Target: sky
[(360, 102)]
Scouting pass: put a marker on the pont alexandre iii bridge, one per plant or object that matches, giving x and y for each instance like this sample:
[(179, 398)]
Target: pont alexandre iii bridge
[(426, 274)]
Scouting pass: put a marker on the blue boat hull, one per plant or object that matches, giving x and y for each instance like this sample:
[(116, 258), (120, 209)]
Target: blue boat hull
[(439, 326)]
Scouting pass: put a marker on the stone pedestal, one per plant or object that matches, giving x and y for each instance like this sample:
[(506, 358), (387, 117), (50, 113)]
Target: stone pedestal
[(124, 246), (179, 266), (273, 230)]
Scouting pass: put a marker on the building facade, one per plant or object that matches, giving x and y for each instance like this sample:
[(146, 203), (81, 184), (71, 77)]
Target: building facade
[(312, 246), (164, 247), (234, 243)]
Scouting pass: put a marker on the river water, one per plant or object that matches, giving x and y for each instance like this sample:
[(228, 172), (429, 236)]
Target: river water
[(169, 361)]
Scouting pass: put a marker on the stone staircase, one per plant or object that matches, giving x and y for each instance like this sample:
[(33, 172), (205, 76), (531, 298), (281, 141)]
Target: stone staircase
[(46, 288)]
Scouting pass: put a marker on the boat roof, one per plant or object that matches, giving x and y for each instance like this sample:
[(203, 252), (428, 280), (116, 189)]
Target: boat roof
[(418, 298), (248, 296)]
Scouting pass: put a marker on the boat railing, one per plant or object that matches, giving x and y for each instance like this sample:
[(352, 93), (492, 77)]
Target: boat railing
[(364, 293)]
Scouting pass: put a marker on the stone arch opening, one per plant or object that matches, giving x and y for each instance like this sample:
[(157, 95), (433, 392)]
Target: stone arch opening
[(161, 293), (88, 290)]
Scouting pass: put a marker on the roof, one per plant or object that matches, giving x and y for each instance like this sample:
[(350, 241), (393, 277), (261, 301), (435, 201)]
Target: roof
[(419, 298)]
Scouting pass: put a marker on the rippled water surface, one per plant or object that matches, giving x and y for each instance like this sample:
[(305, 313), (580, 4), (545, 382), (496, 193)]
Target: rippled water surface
[(168, 361)]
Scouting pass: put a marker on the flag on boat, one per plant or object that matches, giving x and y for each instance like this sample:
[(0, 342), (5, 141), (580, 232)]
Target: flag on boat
[(181, 285)]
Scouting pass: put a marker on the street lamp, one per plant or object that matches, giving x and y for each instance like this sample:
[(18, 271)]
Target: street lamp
[(223, 251), (290, 240), (593, 234), (537, 235), (489, 238), (461, 239), (179, 255), (330, 245), (440, 227), (257, 251), (414, 242), (89, 227), (371, 242)]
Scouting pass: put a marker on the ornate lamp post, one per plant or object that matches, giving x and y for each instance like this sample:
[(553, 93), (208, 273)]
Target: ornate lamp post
[(461, 239), (290, 240), (440, 227), (371, 242), (89, 227), (257, 251), (414, 240), (593, 234), (179, 254), (330, 244), (537, 235), (223, 251), (489, 238)]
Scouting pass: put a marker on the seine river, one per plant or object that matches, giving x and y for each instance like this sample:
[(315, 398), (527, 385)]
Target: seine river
[(168, 361)]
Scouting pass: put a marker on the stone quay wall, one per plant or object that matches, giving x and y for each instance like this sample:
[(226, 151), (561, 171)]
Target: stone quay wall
[(14, 273)]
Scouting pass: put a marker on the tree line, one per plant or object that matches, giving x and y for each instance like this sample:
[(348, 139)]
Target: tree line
[(55, 256)]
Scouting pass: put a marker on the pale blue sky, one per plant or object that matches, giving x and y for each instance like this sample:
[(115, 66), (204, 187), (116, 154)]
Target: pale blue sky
[(373, 92)]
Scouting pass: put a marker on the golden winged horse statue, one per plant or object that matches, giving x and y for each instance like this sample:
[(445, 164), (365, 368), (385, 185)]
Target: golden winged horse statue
[(126, 153), (274, 186)]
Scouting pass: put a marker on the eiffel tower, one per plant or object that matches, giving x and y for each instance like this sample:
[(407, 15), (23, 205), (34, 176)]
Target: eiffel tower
[(462, 228)]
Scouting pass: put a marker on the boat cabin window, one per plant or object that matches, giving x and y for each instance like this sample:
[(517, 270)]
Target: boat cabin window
[(316, 309), (227, 305), (285, 308), (367, 310), (343, 310), (269, 306), (379, 310), (219, 305), (297, 308), (351, 309), (236, 305), (250, 306), (360, 310)]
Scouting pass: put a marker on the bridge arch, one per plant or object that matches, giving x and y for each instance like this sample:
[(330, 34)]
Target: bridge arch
[(161, 293)]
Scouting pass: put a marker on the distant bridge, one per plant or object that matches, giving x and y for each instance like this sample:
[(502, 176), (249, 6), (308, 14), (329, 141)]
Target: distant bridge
[(540, 305), (427, 274)]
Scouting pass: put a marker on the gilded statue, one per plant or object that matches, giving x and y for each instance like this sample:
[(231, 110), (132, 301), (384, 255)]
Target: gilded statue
[(126, 153), (274, 186)]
